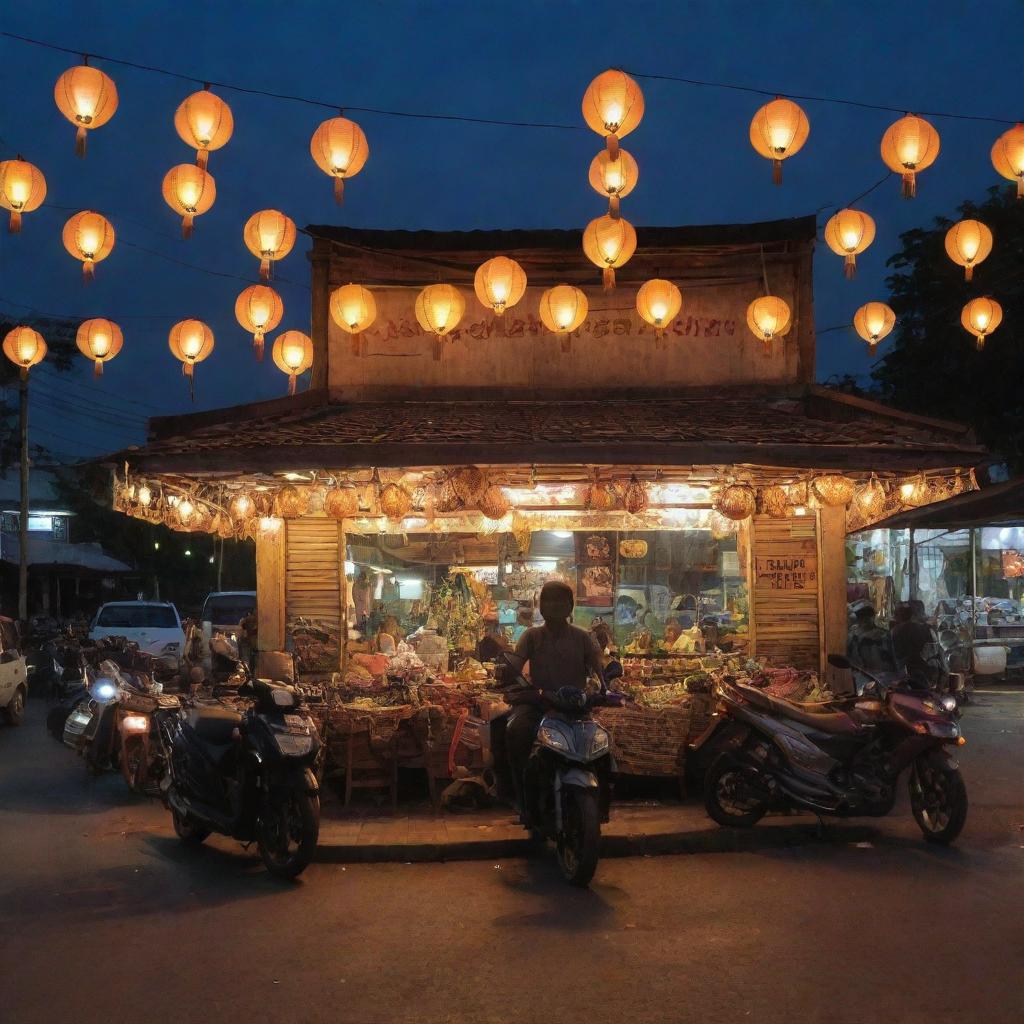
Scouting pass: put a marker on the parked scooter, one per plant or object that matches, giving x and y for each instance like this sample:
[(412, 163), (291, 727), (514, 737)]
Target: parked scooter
[(248, 775), (141, 756), (770, 753)]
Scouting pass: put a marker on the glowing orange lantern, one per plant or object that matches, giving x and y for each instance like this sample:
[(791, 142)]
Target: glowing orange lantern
[(269, 236), (658, 301), (189, 191), (24, 347), (562, 310), (873, 322), (340, 150), (968, 243), (258, 309), (848, 233), (981, 317), (439, 308), (22, 190), (778, 131), (353, 309), (499, 283), (293, 354), (99, 340), (614, 179), (609, 242), (910, 145), (204, 120), (190, 341), (1008, 156), (768, 317), (613, 106), (89, 237), (87, 98)]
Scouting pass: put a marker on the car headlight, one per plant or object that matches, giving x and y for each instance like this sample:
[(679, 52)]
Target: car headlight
[(552, 738), (293, 744)]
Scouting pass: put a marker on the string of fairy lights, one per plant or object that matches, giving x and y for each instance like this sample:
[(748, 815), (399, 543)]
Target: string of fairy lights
[(612, 107)]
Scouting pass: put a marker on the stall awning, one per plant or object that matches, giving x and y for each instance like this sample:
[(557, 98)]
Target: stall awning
[(75, 559), (997, 505)]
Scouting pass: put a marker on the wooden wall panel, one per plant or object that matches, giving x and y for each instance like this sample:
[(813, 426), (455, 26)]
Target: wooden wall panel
[(270, 556), (314, 591)]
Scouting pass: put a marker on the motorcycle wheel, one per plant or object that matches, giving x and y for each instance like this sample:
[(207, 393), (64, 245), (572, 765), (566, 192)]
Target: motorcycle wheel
[(188, 831), (727, 796), (133, 765), (579, 844), (287, 833), (938, 798)]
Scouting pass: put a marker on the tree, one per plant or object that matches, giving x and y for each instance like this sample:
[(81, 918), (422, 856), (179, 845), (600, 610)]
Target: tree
[(933, 366)]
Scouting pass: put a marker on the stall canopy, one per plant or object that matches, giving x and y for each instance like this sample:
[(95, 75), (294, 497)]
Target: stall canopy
[(997, 505)]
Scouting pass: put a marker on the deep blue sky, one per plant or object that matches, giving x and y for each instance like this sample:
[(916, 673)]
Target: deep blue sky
[(515, 60)]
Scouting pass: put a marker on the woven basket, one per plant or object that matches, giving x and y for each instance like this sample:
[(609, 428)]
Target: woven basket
[(648, 741)]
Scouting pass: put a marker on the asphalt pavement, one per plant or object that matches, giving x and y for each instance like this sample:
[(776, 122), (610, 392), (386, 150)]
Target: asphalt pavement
[(105, 916)]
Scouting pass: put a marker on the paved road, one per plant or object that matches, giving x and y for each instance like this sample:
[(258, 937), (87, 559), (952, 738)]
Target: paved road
[(105, 917)]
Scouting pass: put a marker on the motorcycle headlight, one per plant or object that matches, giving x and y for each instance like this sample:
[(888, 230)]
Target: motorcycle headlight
[(552, 738), (103, 689), (599, 743), (293, 744), (135, 723), (949, 703)]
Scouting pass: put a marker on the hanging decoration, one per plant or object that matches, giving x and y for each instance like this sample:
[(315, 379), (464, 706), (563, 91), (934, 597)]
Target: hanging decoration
[(353, 309), (599, 496), (981, 317), (613, 178), (22, 190), (190, 341), (968, 243), (291, 502), (870, 499), (293, 354), (609, 242), (494, 503), (341, 502), (833, 490), (87, 98), (562, 310), (89, 237), (99, 340), (778, 131), (768, 317), (848, 233), (395, 502), (774, 502), (269, 236), (241, 508), (613, 106), (736, 502), (24, 347), (1008, 156), (340, 150), (258, 309), (910, 145), (189, 191), (439, 308), (914, 491), (205, 122), (634, 496), (658, 302), (469, 483), (873, 322), (499, 284)]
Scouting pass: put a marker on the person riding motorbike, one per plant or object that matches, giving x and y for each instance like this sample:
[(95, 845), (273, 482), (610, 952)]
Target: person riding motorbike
[(559, 654), (913, 644)]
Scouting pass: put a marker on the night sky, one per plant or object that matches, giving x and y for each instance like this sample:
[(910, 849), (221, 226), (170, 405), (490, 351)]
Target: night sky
[(518, 61)]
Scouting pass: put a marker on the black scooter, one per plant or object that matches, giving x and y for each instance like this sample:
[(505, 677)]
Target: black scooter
[(248, 775)]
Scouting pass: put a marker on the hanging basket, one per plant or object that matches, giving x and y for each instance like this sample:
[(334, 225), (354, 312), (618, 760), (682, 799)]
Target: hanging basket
[(774, 502), (736, 502)]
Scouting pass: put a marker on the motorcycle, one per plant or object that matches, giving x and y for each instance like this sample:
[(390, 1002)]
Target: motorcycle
[(246, 774), (141, 755), (843, 760), (88, 729)]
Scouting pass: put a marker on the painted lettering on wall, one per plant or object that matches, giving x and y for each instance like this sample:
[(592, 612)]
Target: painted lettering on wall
[(786, 573)]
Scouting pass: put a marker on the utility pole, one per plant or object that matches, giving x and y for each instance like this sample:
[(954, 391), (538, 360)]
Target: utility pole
[(23, 518)]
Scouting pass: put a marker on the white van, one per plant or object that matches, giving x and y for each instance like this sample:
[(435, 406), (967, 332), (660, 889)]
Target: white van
[(154, 626)]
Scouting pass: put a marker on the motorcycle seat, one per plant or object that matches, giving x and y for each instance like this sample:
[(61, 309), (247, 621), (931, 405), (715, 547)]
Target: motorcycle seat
[(836, 722), (213, 724)]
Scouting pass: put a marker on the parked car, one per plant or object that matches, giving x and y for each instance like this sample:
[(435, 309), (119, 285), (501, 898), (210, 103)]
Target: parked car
[(222, 612), (13, 673), (154, 626)]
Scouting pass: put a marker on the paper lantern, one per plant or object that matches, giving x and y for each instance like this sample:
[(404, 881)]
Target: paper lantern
[(190, 341), (778, 131), (914, 491), (439, 308), (353, 309), (241, 508), (493, 503), (340, 150), (736, 502), (873, 322), (910, 145), (768, 318), (258, 309), (833, 489), (395, 501), (189, 191), (633, 548), (634, 497), (968, 243), (1008, 156), (89, 237), (848, 233), (981, 317), (269, 236), (204, 121), (24, 347), (614, 179), (609, 242), (562, 310), (87, 98), (613, 106), (341, 502), (293, 354), (870, 499), (291, 502), (99, 340), (658, 301), (22, 190), (774, 502), (499, 284)]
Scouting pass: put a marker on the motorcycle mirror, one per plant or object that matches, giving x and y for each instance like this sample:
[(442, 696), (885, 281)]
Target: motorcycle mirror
[(839, 661)]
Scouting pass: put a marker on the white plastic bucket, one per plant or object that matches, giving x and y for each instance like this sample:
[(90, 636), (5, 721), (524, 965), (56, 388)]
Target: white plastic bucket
[(990, 660)]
